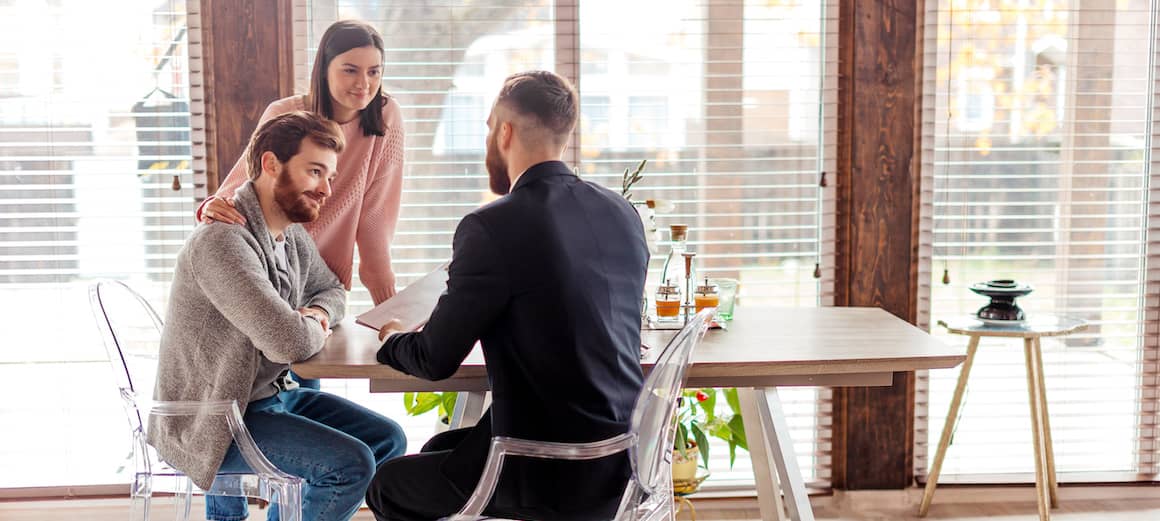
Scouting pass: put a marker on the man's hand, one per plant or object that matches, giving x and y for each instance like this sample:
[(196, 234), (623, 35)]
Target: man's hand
[(318, 313), (221, 210), (390, 328)]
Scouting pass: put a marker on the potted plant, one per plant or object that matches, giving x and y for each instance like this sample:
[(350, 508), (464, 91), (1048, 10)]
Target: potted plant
[(420, 403), (697, 420)]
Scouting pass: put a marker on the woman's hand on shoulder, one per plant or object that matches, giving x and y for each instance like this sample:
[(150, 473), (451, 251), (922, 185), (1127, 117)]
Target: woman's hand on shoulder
[(223, 211)]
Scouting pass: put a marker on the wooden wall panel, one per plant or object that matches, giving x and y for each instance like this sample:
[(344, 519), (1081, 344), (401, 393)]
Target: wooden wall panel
[(248, 63), (876, 226)]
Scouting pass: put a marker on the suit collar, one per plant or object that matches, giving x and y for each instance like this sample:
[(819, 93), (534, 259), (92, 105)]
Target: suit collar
[(541, 171)]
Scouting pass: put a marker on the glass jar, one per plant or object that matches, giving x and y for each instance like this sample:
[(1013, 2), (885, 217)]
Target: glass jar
[(706, 296), (677, 268), (668, 300)]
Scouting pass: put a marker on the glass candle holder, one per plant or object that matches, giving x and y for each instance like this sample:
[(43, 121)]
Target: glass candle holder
[(706, 296), (668, 300)]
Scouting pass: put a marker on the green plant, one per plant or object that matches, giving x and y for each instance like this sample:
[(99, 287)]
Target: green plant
[(697, 420), (630, 178), (421, 403)]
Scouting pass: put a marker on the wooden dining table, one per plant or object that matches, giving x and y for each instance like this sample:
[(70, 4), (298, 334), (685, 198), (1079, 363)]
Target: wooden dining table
[(761, 349)]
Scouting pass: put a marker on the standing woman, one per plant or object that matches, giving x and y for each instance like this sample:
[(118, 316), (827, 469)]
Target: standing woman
[(346, 86)]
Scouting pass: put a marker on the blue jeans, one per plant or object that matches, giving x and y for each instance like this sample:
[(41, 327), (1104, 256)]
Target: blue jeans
[(311, 383), (334, 444)]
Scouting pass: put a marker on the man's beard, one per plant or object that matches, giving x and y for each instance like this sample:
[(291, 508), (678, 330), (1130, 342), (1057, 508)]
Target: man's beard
[(497, 169), (294, 203)]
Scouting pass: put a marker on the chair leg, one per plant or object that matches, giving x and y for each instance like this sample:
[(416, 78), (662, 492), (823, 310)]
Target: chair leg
[(292, 503), (1053, 487), (629, 502), (948, 427), (140, 498), (183, 499), (1036, 433), (287, 497)]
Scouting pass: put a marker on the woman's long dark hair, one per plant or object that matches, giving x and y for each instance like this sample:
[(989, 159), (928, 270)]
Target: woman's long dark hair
[(340, 37)]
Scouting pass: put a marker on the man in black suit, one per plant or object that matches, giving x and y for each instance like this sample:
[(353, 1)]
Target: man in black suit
[(549, 279)]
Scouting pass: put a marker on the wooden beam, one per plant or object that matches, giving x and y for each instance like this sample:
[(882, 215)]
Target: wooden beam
[(877, 224), (249, 62)]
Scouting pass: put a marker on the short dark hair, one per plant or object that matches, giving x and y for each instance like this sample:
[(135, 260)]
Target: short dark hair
[(340, 37), (545, 96), (283, 135)]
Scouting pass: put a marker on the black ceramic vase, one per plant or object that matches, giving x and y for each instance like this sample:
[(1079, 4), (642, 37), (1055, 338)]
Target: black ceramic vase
[(1002, 306)]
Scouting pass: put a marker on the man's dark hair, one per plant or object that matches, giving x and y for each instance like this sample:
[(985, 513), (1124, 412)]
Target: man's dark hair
[(545, 99), (283, 136)]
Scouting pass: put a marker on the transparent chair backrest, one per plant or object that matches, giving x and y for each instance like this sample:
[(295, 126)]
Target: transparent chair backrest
[(131, 332), (652, 417)]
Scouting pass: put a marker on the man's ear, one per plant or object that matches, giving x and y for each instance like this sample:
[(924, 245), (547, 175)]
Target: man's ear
[(506, 133), (270, 163)]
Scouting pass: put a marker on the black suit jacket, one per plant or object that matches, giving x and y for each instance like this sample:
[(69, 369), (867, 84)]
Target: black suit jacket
[(549, 279)]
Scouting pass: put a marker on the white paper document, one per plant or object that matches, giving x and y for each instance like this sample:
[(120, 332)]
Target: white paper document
[(412, 306)]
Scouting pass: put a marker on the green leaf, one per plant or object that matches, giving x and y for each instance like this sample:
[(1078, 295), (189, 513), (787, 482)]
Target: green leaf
[(702, 444), (448, 403), (423, 402), (737, 425), (721, 430), (630, 177), (682, 439), (734, 402)]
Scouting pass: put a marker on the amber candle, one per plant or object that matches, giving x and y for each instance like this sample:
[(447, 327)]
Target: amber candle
[(668, 308), (705, 301)]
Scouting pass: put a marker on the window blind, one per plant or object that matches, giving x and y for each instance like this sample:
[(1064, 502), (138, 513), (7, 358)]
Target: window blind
[(95, 181), (728, 102), (733, 104), (1037, 136)]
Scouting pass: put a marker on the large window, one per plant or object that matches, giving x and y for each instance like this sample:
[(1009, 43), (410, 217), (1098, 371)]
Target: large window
[(1038, 158), (95, 181), (732, 105)]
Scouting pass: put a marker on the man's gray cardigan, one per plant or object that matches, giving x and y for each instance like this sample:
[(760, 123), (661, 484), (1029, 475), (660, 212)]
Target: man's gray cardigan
[(224, 314)]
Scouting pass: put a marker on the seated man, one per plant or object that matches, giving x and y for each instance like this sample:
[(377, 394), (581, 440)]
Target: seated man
[(549, 279), (246, 302)]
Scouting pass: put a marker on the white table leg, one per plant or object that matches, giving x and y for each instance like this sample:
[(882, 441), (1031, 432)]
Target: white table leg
[(1042, 492), (768, 496), (1049, 450), (776, 431), (468, 409)]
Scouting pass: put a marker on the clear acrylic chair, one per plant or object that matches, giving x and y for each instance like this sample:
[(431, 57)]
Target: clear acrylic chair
[(131, 332), (649, 441)]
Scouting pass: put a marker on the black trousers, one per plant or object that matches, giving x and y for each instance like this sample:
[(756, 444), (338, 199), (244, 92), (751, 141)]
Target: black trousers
[(413, 488)]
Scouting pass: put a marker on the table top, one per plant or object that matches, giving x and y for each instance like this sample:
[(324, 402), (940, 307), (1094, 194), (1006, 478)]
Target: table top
[(762, 347), (1034, 327)]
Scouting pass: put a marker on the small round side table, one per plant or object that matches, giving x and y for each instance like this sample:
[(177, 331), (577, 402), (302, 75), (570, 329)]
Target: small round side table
[(1030, 331)]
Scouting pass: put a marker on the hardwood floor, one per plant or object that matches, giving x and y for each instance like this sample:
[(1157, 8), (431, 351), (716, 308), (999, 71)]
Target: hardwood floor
[(961, 504)]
